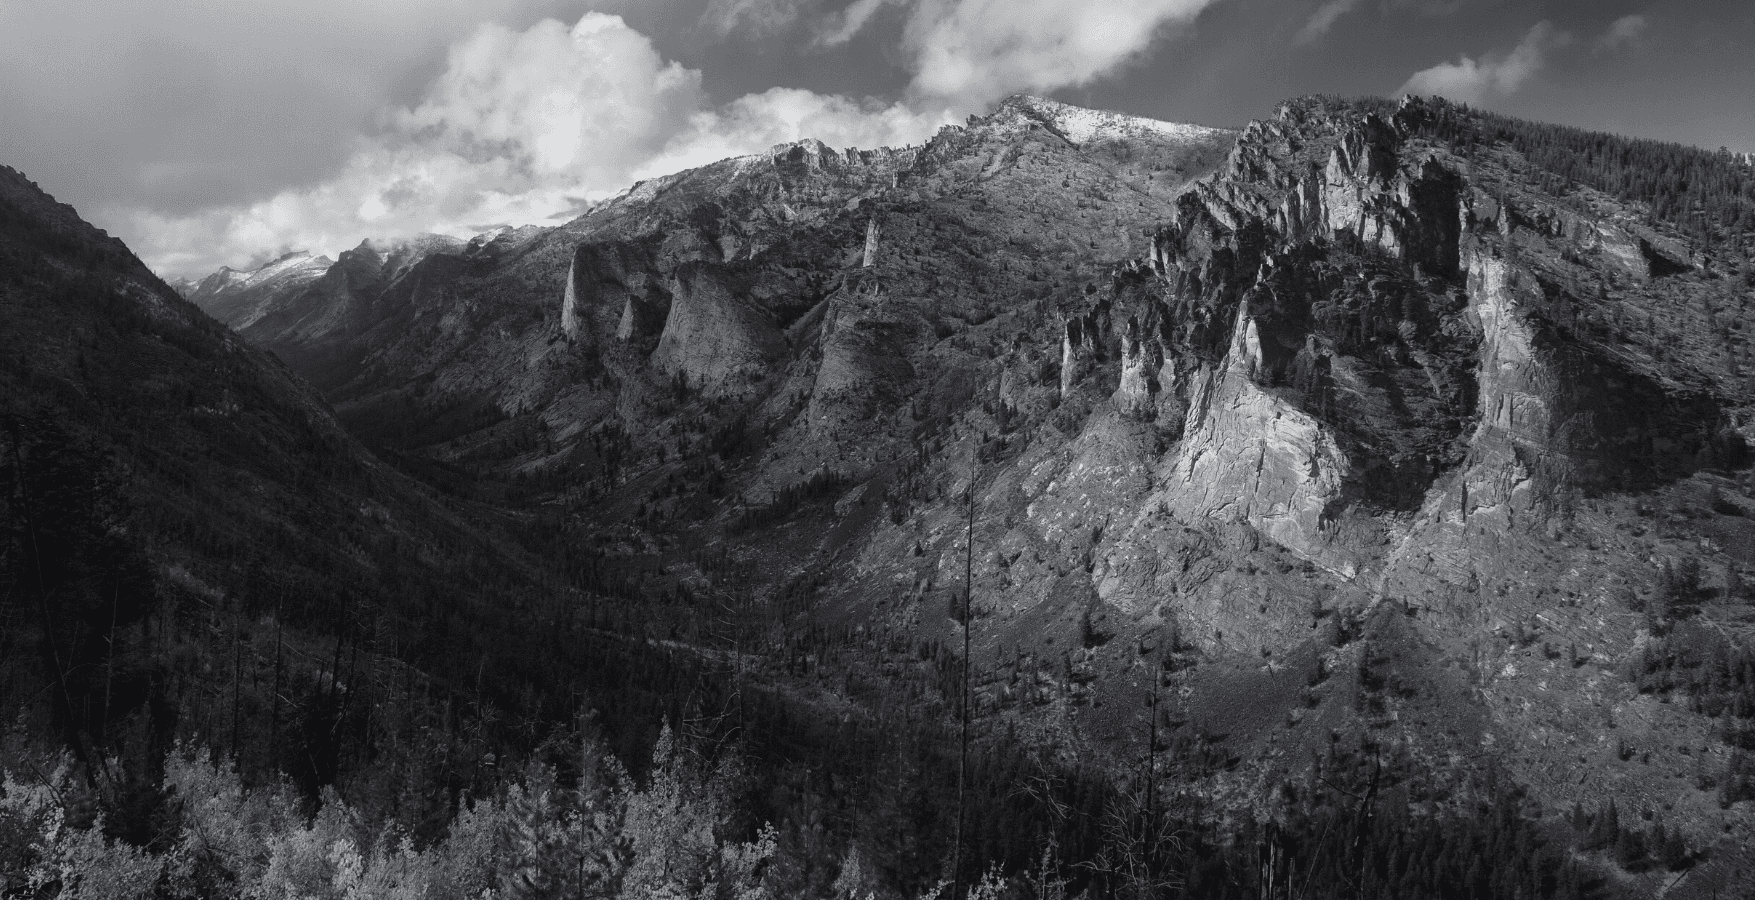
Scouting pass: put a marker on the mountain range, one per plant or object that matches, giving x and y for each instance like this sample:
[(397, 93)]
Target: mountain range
[(1379, 458)]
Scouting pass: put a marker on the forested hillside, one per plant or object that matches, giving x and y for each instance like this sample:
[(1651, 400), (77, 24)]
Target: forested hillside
[(1708, 195)]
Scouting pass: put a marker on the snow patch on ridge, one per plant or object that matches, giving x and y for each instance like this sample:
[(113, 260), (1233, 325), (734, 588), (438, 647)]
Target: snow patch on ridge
[(1081, 125)]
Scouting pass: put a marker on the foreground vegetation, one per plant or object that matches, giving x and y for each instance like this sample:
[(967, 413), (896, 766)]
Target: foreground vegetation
[(581, 826)]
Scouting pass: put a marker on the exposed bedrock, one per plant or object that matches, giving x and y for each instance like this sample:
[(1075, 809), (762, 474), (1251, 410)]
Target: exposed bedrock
[(1084, 344), (1385, 352), (1346, 338), (614, 289), (1309, 321), (1586, 420), (1557, 418), (1145, 374), (714, 335), (1249, 456), (864, 366)]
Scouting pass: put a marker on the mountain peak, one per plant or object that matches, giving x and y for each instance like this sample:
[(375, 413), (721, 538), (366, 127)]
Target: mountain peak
[(1081, 124)]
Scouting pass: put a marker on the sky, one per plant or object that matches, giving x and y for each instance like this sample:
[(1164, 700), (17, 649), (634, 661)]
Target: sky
[(228, 132)]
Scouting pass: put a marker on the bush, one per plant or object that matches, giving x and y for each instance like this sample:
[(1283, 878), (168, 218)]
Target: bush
[(536, 836), (42, 853)]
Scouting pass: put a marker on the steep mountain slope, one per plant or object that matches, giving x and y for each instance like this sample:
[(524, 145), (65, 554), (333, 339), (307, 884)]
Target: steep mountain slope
[(169, 496), (1366, 437)]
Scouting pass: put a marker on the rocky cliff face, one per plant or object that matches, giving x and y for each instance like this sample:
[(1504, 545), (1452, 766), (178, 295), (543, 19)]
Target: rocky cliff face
[(1425, 389), (1254, 406), (714, 337)]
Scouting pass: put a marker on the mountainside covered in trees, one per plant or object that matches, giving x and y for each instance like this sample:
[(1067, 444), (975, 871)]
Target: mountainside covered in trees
[(1359, 501), (192, 544)]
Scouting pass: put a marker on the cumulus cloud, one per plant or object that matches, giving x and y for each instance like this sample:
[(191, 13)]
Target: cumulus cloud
[(520, 127), (184, 105), (1470, 80), (589, 102), (529, 125), (1623, 32), (762, 120)]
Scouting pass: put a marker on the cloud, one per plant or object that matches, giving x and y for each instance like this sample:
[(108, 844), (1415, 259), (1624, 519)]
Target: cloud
[(1623, 32), (841, 29), (1471, 81), (183, 105), (312, 128), (520, 127), (758, 18), (759, 121), (977, 51), (1324, 17), (588, 102)]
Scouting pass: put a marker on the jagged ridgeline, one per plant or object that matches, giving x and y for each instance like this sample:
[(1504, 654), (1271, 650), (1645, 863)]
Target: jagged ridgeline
[(1361, 506)]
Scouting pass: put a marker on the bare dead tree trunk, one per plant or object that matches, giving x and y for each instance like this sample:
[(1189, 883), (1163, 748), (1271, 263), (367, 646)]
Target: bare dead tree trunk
[(963, 735), (274, 718), (1151, 830), (110, 667), (237, 671)]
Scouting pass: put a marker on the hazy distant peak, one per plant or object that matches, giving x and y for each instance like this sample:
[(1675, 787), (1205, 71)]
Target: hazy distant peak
[(423, 243), (238, 297), (285, 263), (499, 234)]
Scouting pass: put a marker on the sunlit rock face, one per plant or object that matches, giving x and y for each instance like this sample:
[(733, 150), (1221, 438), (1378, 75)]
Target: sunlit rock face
[(1249, 456), (1376, 348), (713, 337)]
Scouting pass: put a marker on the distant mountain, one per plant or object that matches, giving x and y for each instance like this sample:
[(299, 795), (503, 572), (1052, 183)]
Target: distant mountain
[(240, 298), (300, 302)]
